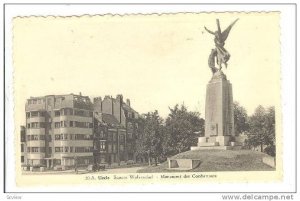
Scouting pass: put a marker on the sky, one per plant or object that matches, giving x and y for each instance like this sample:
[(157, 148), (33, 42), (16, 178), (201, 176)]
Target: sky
[(156, 61)]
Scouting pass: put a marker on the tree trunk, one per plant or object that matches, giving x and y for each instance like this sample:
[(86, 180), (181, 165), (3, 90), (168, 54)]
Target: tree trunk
[(155, 161), (261, 147), (149, 159)]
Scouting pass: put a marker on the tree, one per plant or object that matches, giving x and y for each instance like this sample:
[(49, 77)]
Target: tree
[(140, 145), (150, 141), (262, 128), (270, 127), (240, 119), (180, 128)]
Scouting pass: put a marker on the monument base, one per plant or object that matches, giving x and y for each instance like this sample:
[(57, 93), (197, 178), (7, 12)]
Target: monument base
[(219, 142), (237, 147)]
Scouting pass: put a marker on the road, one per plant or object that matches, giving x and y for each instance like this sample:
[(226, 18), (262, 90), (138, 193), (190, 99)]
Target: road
[(84, 171), (119, 170)]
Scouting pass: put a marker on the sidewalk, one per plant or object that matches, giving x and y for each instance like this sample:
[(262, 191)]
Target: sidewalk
[(84, 171)]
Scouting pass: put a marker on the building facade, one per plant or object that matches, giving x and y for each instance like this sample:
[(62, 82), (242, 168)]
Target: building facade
[(117, 121), (59, 131), (23, 145), (63, 131)]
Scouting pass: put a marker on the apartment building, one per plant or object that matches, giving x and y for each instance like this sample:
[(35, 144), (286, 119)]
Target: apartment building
[(64, 130), (115, 133), (23, 145), (59, 131)]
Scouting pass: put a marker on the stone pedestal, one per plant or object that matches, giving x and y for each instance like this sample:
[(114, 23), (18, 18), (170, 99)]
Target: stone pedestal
[(219, 119)]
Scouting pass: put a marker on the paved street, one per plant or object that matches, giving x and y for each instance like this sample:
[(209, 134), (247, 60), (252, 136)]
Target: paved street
[(84, 171), (119, 170)]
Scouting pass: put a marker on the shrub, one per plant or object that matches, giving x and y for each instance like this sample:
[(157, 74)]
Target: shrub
[(270, 150)]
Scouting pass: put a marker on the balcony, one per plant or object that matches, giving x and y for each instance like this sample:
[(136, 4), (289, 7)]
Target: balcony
[(35, 107), (35, 155), (73, 143), (36, 143), (35, 131), (36, 119), (73, 130), (73, 118)]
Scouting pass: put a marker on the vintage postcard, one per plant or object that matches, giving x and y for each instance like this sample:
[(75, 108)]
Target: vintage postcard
[(154, 98)]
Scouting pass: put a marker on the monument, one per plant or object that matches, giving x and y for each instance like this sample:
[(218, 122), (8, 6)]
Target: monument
[(219, 114)]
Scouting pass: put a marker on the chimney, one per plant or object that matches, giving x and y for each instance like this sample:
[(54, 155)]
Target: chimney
[(79, 93), (98, 104), (119, 97), (128, 102)]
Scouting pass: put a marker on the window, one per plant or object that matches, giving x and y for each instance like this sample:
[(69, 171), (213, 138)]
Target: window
[(34, 114), (79, 112), (34, 125), (50, 150), (34, 137), (115, 137), (57, 124), (62, 112), (71, 136), (57, 161), (28, 125), (71, 112), (129, 125), (88, 137), (58, 149), (79, 149), (121, 147), (57, 113), (109, 148), (66, 149), (88, 149), (102, 145), (42, 149), (27, 114), (109, 137), (22, 159), (63, 124), (22, 147), (122, 138), (57, 137), (83, 124), (90, 114), (28, 149), (34, 149), (114, 148), (42, 137), (101, 134), (65, 136), (129, 135), (71, 149), (79, 137), (71, 123)]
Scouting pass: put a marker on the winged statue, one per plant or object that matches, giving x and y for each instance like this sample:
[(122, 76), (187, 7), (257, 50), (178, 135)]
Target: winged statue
[(219, 54)]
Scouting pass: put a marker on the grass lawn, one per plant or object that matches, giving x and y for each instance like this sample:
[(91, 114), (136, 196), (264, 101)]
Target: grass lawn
[(218, 160)]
